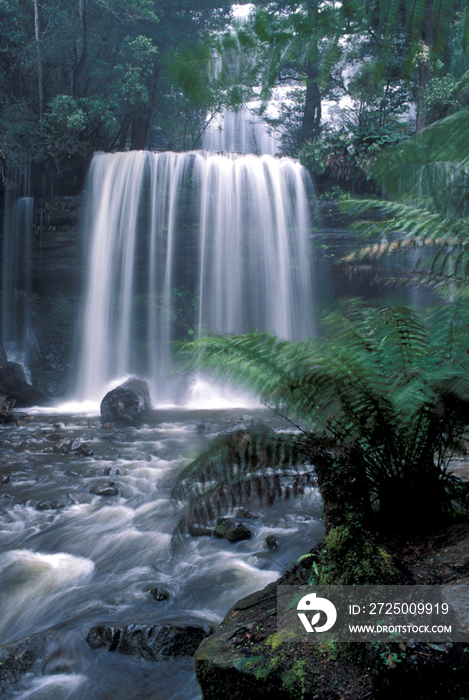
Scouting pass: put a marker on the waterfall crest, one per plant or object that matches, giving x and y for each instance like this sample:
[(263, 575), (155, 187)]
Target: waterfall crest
[(189, 243)]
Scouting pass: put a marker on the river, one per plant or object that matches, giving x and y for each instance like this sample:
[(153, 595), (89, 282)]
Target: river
[(70, 559)]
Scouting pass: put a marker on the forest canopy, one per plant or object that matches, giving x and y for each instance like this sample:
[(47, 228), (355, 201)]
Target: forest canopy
[(350, 78)]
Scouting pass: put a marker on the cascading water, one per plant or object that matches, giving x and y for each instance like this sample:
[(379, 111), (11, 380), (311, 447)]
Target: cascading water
[(179, 245), (17, 268), (239, 132), (229, 234), (71, 560)]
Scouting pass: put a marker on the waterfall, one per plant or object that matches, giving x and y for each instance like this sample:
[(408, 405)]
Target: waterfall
[(17, 267), (184, 244)]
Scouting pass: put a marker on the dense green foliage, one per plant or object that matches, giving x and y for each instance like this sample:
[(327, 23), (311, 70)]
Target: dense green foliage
[(426, 209), (370, 61), (83, 75)]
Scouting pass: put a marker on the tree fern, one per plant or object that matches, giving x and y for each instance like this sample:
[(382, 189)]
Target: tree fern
[(391, 382), (245, 469), (426, 181)]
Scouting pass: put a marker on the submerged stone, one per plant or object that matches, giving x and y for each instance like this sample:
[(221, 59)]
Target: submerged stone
[(271, 542), (105, 490), (23, 656), (160, 593), (50, 505), (244, 514), (61, 448), (85, 450), (111, 471)]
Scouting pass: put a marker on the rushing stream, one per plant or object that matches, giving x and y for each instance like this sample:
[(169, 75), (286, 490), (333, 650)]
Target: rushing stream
[(71, 560)]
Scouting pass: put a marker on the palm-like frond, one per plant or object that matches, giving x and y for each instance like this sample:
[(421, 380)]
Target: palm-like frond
[(420, 14)]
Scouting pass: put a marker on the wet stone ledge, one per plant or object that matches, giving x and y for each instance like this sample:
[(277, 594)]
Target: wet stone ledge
[(23, 656), (149, 642)]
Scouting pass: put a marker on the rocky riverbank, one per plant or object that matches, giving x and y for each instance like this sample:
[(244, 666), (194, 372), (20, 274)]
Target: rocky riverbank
[(245, 658)]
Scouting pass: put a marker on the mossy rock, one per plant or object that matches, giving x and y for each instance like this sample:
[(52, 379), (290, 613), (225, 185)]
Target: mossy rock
[(246, 658), (227, 529), (352, 556)]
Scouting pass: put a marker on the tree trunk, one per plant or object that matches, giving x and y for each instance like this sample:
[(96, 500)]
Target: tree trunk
[(139, 129), (37, 36), (425, 70), (343, 485), (141, 123), (79, 63), (312, 115)]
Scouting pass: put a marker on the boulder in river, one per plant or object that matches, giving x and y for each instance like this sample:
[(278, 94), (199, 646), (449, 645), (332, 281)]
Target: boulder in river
[(227, 529), (127, 403), (105, 490), (159, 593), (55, 504), (15, 388), (150, 642), (23, 656)]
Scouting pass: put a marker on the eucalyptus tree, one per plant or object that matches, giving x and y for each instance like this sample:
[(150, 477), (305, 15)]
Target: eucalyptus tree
[(299, 43)]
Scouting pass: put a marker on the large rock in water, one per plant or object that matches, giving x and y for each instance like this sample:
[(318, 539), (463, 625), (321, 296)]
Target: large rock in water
[(15, 388), (127, 403)]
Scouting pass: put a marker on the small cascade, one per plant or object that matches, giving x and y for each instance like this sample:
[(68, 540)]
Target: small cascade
[(239, 132), (17, 268), (184, 244)]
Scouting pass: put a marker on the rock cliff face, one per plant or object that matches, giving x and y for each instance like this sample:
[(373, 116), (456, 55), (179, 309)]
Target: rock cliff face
[(44, 308), (14, 388), (57, 259)]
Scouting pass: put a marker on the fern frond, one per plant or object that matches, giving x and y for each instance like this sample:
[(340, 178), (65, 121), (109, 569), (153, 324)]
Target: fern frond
[(242, 469)]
